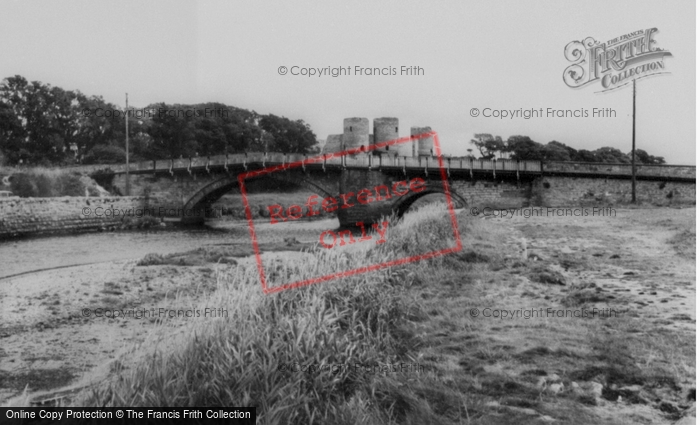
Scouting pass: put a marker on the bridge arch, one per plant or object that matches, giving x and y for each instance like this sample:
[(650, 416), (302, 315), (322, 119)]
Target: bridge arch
[(402, 204), (211, 192)]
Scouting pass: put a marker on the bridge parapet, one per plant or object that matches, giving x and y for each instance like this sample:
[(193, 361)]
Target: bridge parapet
[(198, 162), (217, 160), (668, 171), (295, 157), (368, 161), (532, 165), (118, 168), (336, 160), (142, 165), (239, 158), (359, 161), (181, 163), (256, 157), (275, 157), (162, 164)]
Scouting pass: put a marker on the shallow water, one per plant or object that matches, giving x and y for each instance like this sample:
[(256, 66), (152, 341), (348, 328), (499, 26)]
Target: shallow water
[(39, 253)]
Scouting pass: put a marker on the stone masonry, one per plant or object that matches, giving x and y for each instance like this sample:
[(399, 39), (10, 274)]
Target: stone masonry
[(23, 216)]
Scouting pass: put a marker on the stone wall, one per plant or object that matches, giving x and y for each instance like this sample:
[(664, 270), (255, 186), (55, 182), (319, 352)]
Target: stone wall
[(24, 216), (579, 191), (164, 192), (557, 191), (497, 194)]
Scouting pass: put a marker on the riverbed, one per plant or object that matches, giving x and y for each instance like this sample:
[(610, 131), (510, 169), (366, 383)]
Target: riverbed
[(44, 253), (48, 283)]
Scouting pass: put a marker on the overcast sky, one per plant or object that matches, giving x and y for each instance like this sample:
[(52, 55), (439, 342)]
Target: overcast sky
[(475, 54)]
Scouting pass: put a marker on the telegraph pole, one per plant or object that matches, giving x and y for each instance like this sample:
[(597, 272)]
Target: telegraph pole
[(634, 146), (127, 144)]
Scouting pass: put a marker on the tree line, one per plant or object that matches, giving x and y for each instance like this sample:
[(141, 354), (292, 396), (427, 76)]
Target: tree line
[(524, 148), (45, 125)]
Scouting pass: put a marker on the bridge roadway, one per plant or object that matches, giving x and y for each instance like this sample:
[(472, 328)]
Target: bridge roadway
[(255, 160)]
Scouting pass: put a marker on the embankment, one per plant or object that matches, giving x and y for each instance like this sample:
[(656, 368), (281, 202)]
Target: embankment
[(40, 216)]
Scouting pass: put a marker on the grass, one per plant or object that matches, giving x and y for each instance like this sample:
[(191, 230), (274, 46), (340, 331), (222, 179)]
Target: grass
[(355, 322), (200, 256), (37, 379), (226, 254), (683, 243), (315, 354)]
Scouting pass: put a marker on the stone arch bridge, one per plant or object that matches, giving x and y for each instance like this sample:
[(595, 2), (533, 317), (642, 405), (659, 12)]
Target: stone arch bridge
[(185, 188)]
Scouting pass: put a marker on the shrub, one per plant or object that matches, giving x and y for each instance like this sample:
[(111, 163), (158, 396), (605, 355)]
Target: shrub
[(151, 260), (21, 185), (69, 185), (44, 186)]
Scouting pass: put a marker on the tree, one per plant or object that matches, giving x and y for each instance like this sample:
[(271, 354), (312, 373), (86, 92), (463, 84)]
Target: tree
[(210, 137), (587, 156), (488, 145), (44, 124), (105, 154), (38, 112), (643, 157), (522, 148), (288, 136), (557, 151), (12, 135), (242, 130), (316, 148), (40, 123), (173, 134), (95, 128), (210, 129), (612, 155)]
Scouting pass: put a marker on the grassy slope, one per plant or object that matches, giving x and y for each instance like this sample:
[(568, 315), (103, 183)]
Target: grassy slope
[(471, 371)]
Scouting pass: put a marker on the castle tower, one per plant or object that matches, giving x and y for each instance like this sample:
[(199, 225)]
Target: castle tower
[(424, 145), (355, 133), (386, 129)]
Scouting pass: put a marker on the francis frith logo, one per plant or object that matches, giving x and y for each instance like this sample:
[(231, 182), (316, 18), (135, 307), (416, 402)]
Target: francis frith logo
[(616, 62)]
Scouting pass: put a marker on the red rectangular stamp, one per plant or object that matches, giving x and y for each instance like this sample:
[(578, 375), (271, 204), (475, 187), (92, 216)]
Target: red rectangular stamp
[(341, 203)]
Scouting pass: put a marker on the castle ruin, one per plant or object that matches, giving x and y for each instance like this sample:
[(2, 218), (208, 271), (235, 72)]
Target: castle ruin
[(356, 135)]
